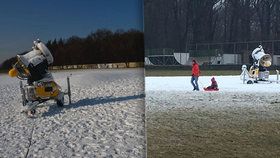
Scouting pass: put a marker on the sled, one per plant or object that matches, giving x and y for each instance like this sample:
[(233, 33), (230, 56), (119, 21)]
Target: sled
[(211, 90)]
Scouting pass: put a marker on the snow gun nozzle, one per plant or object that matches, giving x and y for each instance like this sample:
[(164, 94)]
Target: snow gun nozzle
[(13, 72)]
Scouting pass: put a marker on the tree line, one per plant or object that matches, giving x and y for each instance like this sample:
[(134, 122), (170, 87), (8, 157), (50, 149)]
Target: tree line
[(101, 46), (175, 23)]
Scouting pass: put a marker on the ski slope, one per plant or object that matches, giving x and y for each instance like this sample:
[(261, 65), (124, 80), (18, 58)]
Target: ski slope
[(225, 83), (105, 119)]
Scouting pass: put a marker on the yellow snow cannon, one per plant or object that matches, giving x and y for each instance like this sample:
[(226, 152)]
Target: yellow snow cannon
[(40, 85), (258, 71)]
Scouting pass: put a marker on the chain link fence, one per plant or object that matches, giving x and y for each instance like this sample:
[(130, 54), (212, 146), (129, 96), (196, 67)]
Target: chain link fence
[(213, 53)]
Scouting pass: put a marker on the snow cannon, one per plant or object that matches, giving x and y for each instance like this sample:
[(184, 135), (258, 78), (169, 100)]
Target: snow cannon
[(261, 58), (40, 86), (258, 71)]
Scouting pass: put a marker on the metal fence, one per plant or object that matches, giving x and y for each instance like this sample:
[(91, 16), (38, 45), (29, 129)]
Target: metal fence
[(209, 53)]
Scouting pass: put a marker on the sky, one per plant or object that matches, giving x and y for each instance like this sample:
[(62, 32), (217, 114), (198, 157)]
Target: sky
[(22, 22)]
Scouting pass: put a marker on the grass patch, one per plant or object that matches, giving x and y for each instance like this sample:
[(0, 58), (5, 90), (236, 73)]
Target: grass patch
[(181, 133)]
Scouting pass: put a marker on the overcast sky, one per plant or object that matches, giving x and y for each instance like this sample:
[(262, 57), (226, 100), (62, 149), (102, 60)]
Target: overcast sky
[(21, 22)]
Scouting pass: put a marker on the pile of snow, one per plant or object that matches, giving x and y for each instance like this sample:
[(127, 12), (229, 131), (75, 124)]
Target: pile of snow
[(225, 83)]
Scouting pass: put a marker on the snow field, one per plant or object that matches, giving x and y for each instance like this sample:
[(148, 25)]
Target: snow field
[(105, 119), (225, 83)]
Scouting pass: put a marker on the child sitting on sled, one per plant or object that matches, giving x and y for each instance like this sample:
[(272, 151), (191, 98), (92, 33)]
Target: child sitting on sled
[(214, 85)]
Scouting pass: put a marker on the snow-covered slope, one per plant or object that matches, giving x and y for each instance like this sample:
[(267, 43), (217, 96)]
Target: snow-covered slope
[(106, 118)]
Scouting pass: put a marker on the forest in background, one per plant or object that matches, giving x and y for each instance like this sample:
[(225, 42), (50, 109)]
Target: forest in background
[(101, 46), (176, 23)]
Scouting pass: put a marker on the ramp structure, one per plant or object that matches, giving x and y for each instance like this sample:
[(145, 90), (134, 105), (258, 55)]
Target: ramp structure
[(182, 58), (147, 61), (163, 60)]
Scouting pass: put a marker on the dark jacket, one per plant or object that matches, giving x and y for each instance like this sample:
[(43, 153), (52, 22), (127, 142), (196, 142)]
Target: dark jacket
[(214, 83)]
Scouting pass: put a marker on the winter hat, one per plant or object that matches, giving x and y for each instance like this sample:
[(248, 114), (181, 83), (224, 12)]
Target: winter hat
[(213, 79)]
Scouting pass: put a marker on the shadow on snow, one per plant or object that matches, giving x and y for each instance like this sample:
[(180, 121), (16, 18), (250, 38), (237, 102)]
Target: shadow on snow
[(53, 109)]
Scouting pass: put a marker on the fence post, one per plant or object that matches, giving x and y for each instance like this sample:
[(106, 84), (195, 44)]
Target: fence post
[(273, 47), (277, 77), (164, 59)]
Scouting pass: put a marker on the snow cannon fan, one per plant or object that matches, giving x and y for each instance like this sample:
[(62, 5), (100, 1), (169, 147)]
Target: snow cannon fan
[(40, 86), (262, 61)]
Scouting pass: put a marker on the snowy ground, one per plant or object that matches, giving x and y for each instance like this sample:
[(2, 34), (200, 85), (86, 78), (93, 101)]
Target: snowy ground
[(226, 83), (238, 121), (106, 118)]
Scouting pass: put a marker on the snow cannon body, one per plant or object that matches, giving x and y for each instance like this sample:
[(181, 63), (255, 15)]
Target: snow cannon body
[(40, 86), (258, 71)]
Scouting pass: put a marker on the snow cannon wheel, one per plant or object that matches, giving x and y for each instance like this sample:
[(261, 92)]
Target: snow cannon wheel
[(32, 111), (60, 100), (60, 103), (250, 82)]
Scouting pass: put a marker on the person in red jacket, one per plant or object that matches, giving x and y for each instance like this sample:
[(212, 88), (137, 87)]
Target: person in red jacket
[(195, 75)]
